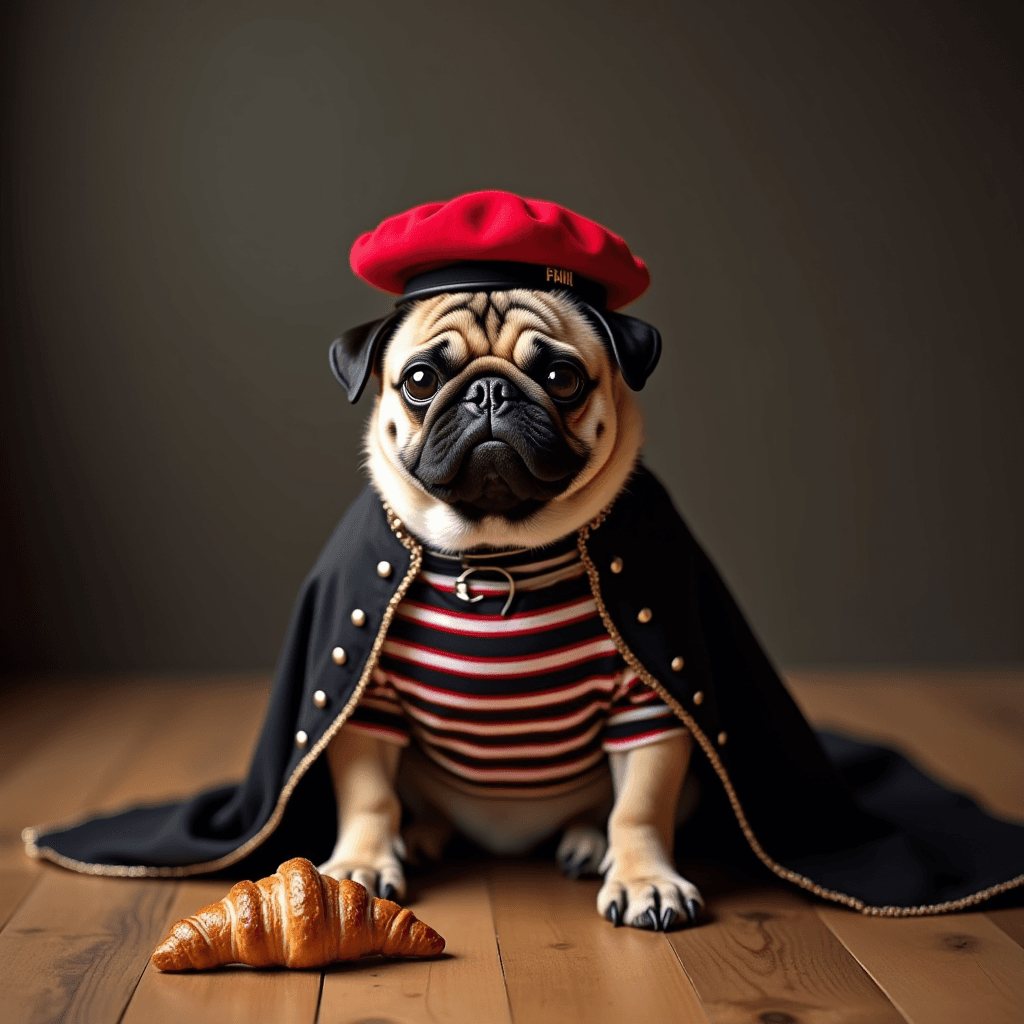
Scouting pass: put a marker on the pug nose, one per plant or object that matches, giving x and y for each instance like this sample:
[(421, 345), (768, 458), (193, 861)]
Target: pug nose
[(492, 392)]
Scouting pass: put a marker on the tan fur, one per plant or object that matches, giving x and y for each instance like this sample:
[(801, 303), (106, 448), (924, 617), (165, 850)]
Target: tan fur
[(497, 333), (507, 335)]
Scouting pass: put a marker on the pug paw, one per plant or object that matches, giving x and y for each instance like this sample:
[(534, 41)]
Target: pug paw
[(581, 851), (383, 878), (655, 901)]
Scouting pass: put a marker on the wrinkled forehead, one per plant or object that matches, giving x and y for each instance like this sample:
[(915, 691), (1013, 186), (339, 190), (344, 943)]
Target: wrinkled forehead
[(511, 325)]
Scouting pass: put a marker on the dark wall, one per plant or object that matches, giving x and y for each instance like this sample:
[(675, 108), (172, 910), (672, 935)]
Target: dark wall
[(828, 194)]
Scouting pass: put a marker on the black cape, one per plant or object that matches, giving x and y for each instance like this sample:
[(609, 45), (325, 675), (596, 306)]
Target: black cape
[(846, 821)]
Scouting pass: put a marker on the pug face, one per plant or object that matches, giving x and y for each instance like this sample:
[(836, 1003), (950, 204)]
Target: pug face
[(501, 421)]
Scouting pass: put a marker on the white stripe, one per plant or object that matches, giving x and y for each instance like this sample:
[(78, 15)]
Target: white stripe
[(487, 625), (514, 774), (448, 698), (486, 668), (526, 750), (504, 728), (639, 714), (632, 742)]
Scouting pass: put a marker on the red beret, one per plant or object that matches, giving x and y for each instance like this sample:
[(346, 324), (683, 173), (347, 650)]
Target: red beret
[(532, 242)]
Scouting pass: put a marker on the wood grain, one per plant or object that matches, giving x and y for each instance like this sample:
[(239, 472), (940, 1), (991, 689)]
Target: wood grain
[(224, 996), (205, 734), (75, 949), (69, 766), (566, 965), (151, 742), (15, 885), (766, 956), (465, 986), (43, 707), (1011, 921), (938, 970), (75, 946), (63, 773)]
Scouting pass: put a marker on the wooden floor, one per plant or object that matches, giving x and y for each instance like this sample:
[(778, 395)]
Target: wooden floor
[(524, 944)]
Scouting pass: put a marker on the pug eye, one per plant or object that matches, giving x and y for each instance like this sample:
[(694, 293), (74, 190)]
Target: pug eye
[(563, 382), (421, 384)]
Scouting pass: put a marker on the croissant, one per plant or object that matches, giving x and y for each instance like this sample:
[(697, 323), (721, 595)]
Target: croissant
[(294, 918)]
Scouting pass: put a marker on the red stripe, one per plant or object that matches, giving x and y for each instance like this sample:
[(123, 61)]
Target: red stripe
[(518, 666), (584, 614), (394, 735), (482, 699), (433, 721)]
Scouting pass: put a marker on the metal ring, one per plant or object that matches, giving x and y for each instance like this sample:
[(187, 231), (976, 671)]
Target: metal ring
[(462, 587)]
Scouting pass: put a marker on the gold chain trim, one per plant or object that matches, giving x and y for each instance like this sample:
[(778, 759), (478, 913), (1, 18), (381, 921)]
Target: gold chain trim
[(712, 755), (31, 834)]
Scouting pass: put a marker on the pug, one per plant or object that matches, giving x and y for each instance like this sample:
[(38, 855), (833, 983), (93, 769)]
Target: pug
[(504, 422)]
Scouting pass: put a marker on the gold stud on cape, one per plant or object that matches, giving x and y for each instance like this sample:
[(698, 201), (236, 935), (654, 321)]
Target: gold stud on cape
[(722, 737), (358, 617), (320, 699), (383, 570), (301, 739), (338, 656), (645, 615), (616, 565), (677, 664), (698, 697)]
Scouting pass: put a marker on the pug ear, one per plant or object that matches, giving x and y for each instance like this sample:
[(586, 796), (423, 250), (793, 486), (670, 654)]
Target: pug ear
[(352, 356), (636, 345)]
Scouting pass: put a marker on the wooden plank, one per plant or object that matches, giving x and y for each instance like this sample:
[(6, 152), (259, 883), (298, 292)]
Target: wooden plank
[(68, 766), (75, 949), (938, 970), (566, 965), (1011, 921), (15, 885), (162, 741), (928, 717), (464, 986), (34, 707), (224, 996), (204, 734), (765, 955)]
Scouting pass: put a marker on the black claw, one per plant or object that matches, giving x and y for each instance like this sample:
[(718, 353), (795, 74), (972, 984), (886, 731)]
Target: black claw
[(692, 909), (387, 891), (668, 918), (647, 920), (614, 915)]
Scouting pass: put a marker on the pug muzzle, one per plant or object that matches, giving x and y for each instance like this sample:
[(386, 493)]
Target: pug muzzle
[(493, 443)]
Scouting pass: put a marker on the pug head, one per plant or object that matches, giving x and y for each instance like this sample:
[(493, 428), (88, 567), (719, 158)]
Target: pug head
[(502, 419)]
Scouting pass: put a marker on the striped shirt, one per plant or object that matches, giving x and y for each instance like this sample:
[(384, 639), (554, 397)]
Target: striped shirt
[(530, 701)]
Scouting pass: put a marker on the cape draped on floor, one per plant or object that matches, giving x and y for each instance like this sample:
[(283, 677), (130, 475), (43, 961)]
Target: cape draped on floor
[(850, 822)]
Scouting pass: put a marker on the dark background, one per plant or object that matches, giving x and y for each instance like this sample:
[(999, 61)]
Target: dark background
[(829, 196)]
